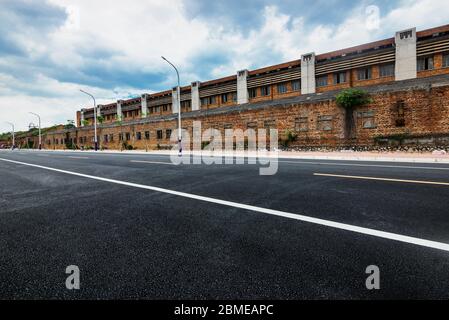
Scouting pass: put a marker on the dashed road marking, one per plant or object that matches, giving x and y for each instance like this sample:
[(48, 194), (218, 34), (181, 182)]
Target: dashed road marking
[(381, 179), (152, 162)]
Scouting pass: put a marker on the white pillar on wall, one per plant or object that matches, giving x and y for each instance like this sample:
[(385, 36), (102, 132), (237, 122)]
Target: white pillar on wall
[(144, 105), (242, 87), (308, 82), (406, 59), (196, 95), (82, 117), (174, 100), (119, 109)]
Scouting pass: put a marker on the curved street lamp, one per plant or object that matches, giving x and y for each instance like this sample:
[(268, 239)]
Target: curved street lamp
[(178, 90), (40, 135), (95, 118)]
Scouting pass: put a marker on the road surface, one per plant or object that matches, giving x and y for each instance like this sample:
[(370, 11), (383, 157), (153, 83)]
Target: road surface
[(139, 227)]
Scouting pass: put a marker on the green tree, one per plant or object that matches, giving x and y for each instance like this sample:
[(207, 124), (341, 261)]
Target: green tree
[(70, 124), (350, 99)]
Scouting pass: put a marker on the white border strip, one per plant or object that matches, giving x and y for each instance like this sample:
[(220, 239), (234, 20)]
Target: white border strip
[(327, 223)]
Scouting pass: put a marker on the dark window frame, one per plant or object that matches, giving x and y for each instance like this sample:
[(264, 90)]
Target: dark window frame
[(282, 88), (364, 74), (446, 60), (322, 81), (387, 70), (340, 78), (300, 122), (426, 63), (296, 87), (265, 91)]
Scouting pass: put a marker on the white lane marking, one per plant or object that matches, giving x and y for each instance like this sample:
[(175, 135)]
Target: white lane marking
[(363, 165), (152, 162), (381, 179), (336, 225), (73, 157)]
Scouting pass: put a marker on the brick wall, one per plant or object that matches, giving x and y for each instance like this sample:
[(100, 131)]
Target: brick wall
[(414, 112)]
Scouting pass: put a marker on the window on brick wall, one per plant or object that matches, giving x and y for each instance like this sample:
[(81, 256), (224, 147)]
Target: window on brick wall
[(252, 125), (400, 114), (364, 74), (425, 63), (224, 98), (282, 88), (139, 135), (168, 133), (234, 97), (111, 137), (302, 124), (252, 93), (106, 138), (339, 77), (366, 119), (386, 70), (185, 105), (446, 60), (128, 136), (147, 135), (120, 137), (204, 101), (325, 123), (159, 134), (321, 81), (296, 85), (213, 100), (165, 107), (269, 124), (265, 91)]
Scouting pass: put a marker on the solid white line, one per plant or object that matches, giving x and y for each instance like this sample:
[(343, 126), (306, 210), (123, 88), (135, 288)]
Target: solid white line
[(363, 165), (327, 223), (382, 179), (152, 162), (77, 157)]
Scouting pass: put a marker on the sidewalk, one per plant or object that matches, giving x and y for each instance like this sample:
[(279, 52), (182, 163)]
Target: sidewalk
[(344, 155)]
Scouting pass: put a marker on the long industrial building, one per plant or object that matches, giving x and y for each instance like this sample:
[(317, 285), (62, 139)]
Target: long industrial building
[(407, 76)]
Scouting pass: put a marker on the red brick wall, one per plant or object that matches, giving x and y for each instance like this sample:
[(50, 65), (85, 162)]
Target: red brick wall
[(426, 112)]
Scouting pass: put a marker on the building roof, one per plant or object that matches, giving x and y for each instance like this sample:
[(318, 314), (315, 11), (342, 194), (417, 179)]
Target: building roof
[(295, 63)]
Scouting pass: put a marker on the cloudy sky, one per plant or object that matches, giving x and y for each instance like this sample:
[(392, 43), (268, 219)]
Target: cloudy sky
[(49, 49)]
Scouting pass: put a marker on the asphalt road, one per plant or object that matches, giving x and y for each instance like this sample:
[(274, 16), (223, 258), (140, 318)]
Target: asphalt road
[(131, 240)]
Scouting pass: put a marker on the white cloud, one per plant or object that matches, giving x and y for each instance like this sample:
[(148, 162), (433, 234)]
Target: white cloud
[(132, 35)]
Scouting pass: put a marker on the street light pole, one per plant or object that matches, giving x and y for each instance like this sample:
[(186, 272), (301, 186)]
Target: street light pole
[(13, 135), (40, 135), (95, 118), (178, 90)]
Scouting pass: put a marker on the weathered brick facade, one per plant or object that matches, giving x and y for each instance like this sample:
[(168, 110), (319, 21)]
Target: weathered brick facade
[(412, 109)]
